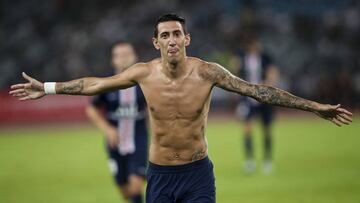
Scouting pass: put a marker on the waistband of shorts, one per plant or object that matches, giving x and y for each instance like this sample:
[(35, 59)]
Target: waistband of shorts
[(178, 168)]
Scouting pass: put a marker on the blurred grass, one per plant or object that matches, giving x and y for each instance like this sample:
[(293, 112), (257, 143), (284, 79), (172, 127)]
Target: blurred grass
[(315, 161)]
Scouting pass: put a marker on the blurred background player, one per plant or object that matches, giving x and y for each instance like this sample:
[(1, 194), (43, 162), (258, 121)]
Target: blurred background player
[(121, 117), (256, 66)]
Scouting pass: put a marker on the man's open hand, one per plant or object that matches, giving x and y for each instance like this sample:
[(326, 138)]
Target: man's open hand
[(25, 91), (335, 114)]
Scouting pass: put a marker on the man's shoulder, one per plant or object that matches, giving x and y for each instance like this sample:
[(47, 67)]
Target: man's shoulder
[(150, 64), (154, 62), (142, 70), (196, 60), (143, 67), (198, 63), (204, 69)]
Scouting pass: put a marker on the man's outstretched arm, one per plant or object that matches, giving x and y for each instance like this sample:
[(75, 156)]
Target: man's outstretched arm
[(274, 96), (34, 89)]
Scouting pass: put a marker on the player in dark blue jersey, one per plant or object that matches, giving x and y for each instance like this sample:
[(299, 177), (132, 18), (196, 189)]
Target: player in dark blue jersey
[(121, 116), (256, 67)]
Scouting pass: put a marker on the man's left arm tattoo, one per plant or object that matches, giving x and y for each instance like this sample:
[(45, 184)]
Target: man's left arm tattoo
[(271, 95), (262, 93)]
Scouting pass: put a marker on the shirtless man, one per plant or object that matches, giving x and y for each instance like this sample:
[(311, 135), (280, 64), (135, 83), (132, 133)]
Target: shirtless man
[(177, 89)]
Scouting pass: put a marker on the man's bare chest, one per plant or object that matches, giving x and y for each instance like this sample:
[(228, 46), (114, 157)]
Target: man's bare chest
[(181, 99)]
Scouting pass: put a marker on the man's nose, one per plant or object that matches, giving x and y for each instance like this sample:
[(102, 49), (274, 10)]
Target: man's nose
[(172, 41)]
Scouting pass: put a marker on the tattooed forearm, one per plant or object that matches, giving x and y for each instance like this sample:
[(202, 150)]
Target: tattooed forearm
[(73, 87), (264, 94), (275, 96), (199, 154)]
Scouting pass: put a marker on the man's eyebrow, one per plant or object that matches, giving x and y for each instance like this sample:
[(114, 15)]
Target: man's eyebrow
[(175, 30), (165, 32)]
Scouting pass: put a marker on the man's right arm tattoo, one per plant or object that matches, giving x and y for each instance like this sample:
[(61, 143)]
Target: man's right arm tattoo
[(72, 87)]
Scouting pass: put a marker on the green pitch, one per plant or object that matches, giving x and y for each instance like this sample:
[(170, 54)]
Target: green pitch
[(315, 161)]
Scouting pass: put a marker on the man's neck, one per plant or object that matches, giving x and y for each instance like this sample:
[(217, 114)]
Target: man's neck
[(174, 70)]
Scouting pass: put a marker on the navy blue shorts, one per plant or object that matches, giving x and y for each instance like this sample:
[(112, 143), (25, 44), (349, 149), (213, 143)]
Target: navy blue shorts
[(122, 166), (193, 182)]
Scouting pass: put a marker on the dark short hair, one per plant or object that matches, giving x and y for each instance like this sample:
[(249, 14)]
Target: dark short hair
[(169, 17)]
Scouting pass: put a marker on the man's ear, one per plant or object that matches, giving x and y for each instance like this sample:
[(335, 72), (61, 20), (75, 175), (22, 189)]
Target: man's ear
[(187, 39), (155, 43)]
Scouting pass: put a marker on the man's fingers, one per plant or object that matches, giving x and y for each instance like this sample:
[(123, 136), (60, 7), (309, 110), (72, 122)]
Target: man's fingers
[(17, 91), (344, 111), (21, 94), (342, 120), (25, 98), (28, 78), (336, 122), (112, 142), (18, 86), (113, 145), (346, 117)]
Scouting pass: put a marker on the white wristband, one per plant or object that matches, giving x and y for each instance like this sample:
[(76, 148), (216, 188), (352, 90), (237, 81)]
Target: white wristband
[(50, 87)]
